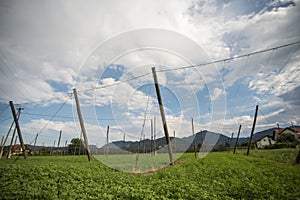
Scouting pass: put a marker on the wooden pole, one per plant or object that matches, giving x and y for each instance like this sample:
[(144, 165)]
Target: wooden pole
[(65, 147), (107, 140), (59, 138), (2, 140), (193, 130), (163, 117), (82, 125), (237, 139), (16, 140), (252, 131), (174, 141), (154, 135), (8, 155), (5, 139), (58, 141), (231, 139), (35, 139), (18, 128), (124, 141)]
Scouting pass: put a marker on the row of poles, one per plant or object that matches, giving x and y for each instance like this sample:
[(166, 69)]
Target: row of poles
[(83, 130)]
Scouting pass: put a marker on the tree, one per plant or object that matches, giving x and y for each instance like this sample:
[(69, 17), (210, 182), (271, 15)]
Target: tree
[(287, 138), (76, 147)]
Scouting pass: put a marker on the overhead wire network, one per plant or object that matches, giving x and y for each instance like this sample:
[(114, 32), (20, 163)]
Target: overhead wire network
[(52, 117), (194, 66), (162, 70)]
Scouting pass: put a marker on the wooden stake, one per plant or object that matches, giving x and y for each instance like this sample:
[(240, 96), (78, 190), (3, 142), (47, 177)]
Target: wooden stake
[(195, 152), (174, 141), (16, 140), (163, 117), (9, 152), (124, 141), (107, 134), (231, 139), (252, 131), (2, 140), (59, 141), (82, 125), (154, 135), (5, 139), (65, 147), (36, 139), (18, 128), (237, 139)]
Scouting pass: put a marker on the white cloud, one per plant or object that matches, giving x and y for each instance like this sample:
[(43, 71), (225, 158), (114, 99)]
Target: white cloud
[(217, 92), (43, 45)]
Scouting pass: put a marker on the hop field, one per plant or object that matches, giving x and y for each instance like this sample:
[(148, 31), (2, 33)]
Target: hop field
[(217, 176)]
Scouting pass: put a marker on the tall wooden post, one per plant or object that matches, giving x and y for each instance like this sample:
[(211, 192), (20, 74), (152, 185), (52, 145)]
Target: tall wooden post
[(2, 140), (154, 135), (5, 139), (252, 131), (15, 140), (82, 125), (65, 147), (107, 140), (18, 128), (163, 117), (174, 141), (237, 139), (9, 152), (58, 141), (59, 138), (124, 141), (35, 139), (231, 139), (193, 130)]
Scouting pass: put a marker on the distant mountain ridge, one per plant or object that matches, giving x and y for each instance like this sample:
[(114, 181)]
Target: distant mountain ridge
[(182, 144)]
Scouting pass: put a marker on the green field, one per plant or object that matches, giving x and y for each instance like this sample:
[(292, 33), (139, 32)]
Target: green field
[(217, 176)]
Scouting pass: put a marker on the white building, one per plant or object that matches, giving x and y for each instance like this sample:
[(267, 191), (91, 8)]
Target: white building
[(264, 141)]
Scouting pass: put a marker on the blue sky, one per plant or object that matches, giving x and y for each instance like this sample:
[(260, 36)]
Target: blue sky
[(48, 48)]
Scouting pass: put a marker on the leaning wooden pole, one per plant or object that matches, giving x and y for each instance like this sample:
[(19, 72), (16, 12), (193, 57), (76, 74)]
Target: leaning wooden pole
[(9, 153), (5, 139), (154, 135), (193, 130), (107, 140), (252, 131), (237, 139), (82, 125), (58, 142), (163, 117), (18, 128)]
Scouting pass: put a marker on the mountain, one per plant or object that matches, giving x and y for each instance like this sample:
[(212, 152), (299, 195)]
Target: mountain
[(183, 144)]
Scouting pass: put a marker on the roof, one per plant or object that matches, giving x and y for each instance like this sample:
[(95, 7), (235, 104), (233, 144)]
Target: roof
[(264, 137), (295, 130), (18, 146)]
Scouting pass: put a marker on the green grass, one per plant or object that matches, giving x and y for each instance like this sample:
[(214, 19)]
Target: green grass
[(217, 176), (287, 156), (130, 163)]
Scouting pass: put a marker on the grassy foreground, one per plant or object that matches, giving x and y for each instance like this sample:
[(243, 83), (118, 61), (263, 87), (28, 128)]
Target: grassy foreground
[(217, 176)]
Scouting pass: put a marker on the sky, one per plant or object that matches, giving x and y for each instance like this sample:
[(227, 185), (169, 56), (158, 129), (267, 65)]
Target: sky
[(107, 49)]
